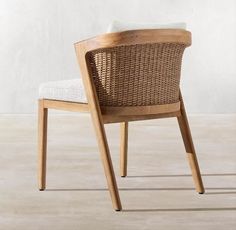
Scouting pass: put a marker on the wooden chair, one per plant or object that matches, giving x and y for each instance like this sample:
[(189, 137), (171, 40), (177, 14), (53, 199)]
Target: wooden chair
[(128, 76)]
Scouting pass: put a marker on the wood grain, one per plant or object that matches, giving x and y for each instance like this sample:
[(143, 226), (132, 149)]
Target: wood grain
[(123, 148), (42, 144), (189, 146)]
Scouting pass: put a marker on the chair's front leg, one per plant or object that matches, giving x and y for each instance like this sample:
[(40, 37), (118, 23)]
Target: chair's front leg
[(106, 160), (123, 148), (42, 144), (188, 142)]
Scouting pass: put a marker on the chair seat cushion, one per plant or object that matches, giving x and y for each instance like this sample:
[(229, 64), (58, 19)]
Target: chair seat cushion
[(66, 90)]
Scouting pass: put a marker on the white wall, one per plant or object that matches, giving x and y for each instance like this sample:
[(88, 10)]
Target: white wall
[(37, 36)]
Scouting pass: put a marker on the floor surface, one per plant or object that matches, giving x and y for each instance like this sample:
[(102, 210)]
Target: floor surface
[(157, 194)]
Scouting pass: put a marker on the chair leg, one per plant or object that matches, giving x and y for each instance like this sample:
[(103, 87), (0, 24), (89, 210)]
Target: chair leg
[(107, 162), (123, 148), (42, 144), (188, 142)]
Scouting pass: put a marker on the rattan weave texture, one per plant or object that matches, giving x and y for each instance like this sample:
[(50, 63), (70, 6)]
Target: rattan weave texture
[(137, 75)]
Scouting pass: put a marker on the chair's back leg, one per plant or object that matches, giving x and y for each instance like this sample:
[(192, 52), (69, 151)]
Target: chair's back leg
[(123, 148), (188, 142), (42, 144), (106, 160)]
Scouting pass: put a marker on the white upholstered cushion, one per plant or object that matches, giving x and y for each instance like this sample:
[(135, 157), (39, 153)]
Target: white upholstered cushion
[(117, 26), (66, 90)]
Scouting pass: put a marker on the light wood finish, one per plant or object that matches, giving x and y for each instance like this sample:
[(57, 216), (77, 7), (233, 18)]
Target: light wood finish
[(123, 148), (107, 119), (140, 110), (65, 105), (123, 114), (189, 146), (44, 104), (106, 160), (136, 37), (42, 144), (99, 128)]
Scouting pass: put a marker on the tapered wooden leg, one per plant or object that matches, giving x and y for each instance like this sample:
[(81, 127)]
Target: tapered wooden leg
[(123, 148), (42, 144), (107, 162), (188, 142)]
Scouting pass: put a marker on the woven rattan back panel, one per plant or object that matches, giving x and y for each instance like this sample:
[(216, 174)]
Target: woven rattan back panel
[(137, 75)]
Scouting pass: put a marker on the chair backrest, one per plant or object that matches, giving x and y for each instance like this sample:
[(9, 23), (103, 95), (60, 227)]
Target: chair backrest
[(136, 69)]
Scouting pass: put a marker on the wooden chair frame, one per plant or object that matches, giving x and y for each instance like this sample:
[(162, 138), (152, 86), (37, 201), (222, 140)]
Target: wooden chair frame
[(104, 115)]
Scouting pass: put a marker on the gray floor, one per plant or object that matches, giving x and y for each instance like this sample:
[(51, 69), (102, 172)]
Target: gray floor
[(157, 194)]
